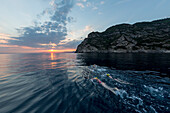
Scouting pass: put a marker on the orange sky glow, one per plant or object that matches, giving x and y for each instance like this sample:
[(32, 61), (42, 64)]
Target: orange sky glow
[(25, 49)]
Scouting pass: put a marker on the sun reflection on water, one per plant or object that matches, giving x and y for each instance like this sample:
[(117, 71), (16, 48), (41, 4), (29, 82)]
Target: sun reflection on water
[(52, 56), (53, 63)]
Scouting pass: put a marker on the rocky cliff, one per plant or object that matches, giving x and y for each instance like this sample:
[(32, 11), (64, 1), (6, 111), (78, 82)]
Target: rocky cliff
[(140, 37)]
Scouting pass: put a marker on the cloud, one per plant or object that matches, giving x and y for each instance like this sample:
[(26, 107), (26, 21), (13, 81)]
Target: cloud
[(3, 41), (78, 34), (87, 28), (81, 0), (76, 38), (80, 5), (95, 8), (102, 2), (52, 2), (88, 4), (4, 38), (52, 31), (50, 44), (100, 13), (71, 44), (16, 46), (93, 5), (19, 49), (122, 2)]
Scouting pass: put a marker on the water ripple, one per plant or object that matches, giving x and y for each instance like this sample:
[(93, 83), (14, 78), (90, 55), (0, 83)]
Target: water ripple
[(62, 83)]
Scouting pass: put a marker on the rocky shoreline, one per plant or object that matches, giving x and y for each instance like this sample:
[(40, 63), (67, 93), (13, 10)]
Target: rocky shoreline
[(148, 37)]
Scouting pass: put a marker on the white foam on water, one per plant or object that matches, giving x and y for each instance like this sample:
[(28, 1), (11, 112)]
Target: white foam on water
[(137, 98), (101, 70), (151, 89), (115, 90), (155, 91), (138, 111), (129, 98), (144, 110), (153, 109), (121, 93)]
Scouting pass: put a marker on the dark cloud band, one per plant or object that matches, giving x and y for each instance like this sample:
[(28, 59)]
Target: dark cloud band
[(51, 31)]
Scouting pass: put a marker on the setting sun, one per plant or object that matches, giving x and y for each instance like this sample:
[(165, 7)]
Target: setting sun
[(51, 50), (58, 51)]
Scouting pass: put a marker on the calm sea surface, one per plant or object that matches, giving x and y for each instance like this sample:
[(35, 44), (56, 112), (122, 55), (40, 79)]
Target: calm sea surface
[(57, 83)]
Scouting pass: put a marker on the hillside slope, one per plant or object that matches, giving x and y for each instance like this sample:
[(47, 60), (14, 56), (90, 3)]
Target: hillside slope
[(140, 37)]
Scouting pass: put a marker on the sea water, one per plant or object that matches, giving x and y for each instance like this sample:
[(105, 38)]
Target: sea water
[(57, 83)]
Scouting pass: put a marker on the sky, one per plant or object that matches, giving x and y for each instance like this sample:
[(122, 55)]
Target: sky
[(60, 25)]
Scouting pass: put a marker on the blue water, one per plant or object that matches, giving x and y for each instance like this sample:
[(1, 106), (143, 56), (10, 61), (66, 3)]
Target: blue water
[(57, 83)]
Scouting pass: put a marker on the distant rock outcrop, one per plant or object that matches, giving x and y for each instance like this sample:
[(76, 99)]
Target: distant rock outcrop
[(140, 37)]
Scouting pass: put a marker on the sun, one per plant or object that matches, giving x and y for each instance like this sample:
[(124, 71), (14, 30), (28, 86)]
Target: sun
[(52, 50), (60, 51)]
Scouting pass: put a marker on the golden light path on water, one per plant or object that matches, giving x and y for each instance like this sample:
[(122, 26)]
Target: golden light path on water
[(57, 58)]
